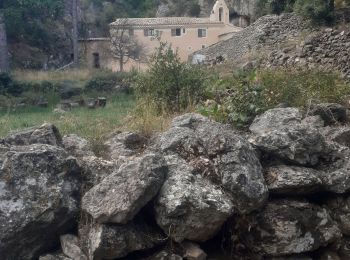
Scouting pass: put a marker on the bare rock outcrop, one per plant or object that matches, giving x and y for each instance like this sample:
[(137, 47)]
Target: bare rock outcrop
[(45, 134), (221, 155), (188, 205), (121, 195), (112, 241), (39, 187), (286, 227)]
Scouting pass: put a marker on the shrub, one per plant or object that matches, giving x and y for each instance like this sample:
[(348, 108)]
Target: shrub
[(248, 94), (170, 83), (8, 86), (318, 11), (106, 82)]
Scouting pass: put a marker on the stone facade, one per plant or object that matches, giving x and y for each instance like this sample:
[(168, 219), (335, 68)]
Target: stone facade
[(184, 34)]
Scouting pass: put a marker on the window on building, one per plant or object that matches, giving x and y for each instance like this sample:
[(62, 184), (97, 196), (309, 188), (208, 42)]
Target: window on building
[(96, 60), (150, 32), (183, 30), (176, 32), (221, 12), (202, 33), (131, 32)]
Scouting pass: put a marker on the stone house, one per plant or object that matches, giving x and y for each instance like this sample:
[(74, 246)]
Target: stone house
[(184, 34)]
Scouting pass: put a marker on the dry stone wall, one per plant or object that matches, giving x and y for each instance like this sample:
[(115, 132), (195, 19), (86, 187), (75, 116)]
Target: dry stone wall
[(285, 40), (280, 190)]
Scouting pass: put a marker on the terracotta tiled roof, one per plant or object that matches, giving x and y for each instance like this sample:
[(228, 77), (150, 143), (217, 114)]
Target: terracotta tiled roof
[(161, 21)]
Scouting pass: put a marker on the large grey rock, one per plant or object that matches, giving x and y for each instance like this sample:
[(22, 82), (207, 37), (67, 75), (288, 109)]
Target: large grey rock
[(340, 135), (95, 169), (293, 180), (188, 205), (44, 134), (3, 149), (71, 248), (338, 181), (221, 155), (288, 227), (56, 256), (344, 248), (164, 255), (125, 144), (39, 185), (275, 118), (331, 113), (120, 196), (108, 241), (339, 208), (193, 251), (288, 139), (77, 146)]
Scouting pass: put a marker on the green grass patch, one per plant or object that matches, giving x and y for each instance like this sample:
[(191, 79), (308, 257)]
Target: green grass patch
[(92, 124)]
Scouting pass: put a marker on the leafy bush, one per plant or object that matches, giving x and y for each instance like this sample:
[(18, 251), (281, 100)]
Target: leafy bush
[(265, 7), (245, 95), (108, 81), (318, 11), (170, 83), (8, 86)]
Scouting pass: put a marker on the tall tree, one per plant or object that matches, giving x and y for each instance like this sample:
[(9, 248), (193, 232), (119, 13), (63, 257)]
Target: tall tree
[(4, 63), (124, 45), (75, 33)]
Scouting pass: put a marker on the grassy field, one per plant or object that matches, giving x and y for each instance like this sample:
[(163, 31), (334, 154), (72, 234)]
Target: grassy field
[(91, 124)]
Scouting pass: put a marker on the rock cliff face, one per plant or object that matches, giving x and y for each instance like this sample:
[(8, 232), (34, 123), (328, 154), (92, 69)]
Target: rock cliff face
[(242, 12), (278, 191)]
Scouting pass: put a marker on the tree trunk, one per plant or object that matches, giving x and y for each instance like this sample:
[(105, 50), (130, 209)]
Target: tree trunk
[(75, 33), (121, 63), (4, 63)]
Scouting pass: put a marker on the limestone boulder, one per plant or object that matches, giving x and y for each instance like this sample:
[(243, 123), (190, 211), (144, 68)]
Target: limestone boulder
[(3, 149), (71, 248), (338, 180), (164, 255), (339, 208), (189, 206), (44, 134), (340, 135), (125, 144), (288, 138), (219, 154), (112, 241), (39, 188), (331, 113), (121, 195), (287, 227), (95, 169), (77, 146), (293, 180), (276, 118), (56, 256)]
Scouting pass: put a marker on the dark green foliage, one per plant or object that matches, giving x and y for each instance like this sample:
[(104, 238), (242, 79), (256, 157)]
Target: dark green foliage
[(9, 87), (318, 11), (244, 95), (28, 21), (171, 84), (274, 6), (108, 82)]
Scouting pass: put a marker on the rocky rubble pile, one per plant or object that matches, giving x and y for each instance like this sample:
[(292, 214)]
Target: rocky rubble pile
[(264, 35), (279, 191), (285, 40), (328, 49)]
